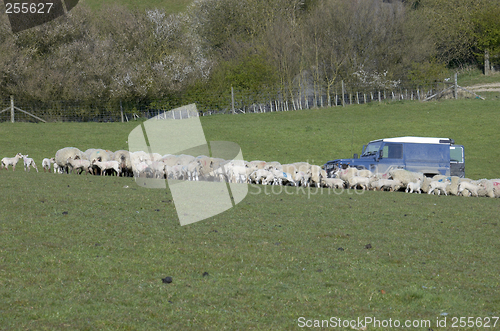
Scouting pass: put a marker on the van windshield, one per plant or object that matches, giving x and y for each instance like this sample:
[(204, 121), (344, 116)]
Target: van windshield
[(372, 148)]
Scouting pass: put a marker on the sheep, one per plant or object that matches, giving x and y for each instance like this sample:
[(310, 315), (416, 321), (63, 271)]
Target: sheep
[(364, 173), (80, 164), (123, 158), (255, 165), (316, 175), (283, 178), (46, 163), (301, 178), (288, 168), (332, 182), (108, 165), (414, 187), (57, 169), (157, 169), (383, 184), (63, 154), (140, 167), (355, 181), (258, 176), (455, 181), (192, 170), (346, 174), (7, 161), (28, 161), (470, 187), (405, 176), (439, 186)]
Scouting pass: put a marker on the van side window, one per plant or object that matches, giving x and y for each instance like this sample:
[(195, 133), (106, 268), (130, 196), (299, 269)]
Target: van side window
[(392, 151), (456, 154)]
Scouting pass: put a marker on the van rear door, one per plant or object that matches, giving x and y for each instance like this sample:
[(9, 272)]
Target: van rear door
[(457, 161)]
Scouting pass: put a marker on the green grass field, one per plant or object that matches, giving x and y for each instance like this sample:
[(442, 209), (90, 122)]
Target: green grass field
[(87, 252)]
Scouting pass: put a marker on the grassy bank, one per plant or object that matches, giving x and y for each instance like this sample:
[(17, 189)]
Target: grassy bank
[(86, 252)]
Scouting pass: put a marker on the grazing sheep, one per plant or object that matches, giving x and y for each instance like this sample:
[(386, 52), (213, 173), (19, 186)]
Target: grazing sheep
[(355, 181), (123, 158), (259, 175), (365, 173), (439, 186), (63, 154), (332, 182), (471, 188), (80, 164), (405, 176), (28, 161), (316, 175), (346, 174), (46, 163), (108, 165), (414, 187), (383, 184), (284, 178), (7, 161)]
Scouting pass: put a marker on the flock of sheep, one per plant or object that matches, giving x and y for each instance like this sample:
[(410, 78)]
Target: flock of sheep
[(187, 167)]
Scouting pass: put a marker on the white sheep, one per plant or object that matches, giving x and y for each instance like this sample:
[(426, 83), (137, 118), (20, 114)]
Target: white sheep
[(383, 184), (414, 187), (29, 162), (405, 176), (258, 176), (440, 186), (281, 177), (63, 154), (470, 187), (46, 163), (123, 158), (332, 182), (79, 164), (316, 173), (108, 165), (363, 182), (7, 161)]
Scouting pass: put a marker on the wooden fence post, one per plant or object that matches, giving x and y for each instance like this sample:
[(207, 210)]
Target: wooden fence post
[(12, 109)]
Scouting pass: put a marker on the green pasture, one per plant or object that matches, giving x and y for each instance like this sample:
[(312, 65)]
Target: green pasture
[(88, 252)]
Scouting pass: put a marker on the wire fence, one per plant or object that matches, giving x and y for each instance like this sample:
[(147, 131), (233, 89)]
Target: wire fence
[(13, 109)]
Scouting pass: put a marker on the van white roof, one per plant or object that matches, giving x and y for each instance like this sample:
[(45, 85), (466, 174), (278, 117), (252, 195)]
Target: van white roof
[(418, 140)]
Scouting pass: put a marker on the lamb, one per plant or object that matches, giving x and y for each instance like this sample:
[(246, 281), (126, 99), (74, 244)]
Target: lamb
[(316, 174), (414, 186), (123, 157), (258, 176), (470, 187), (46, 163), (355, 181), (301, 178), (406, 176), (192, 170), (346, 174), (383, 184), (283, 178), (332, 182), (439, 186), (63, 154), (7, 161), (28, 161), (82, 165), (108, 165)]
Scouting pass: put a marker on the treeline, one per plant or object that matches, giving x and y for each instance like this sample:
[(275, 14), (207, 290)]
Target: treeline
[(283, 47)]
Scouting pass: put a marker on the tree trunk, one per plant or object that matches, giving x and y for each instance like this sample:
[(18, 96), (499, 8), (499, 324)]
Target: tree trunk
[(486, 62)]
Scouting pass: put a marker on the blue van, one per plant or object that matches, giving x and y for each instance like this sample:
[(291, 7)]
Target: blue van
[(431, 156)]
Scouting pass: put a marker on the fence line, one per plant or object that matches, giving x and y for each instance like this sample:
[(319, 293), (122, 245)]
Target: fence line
[(233, 102)]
